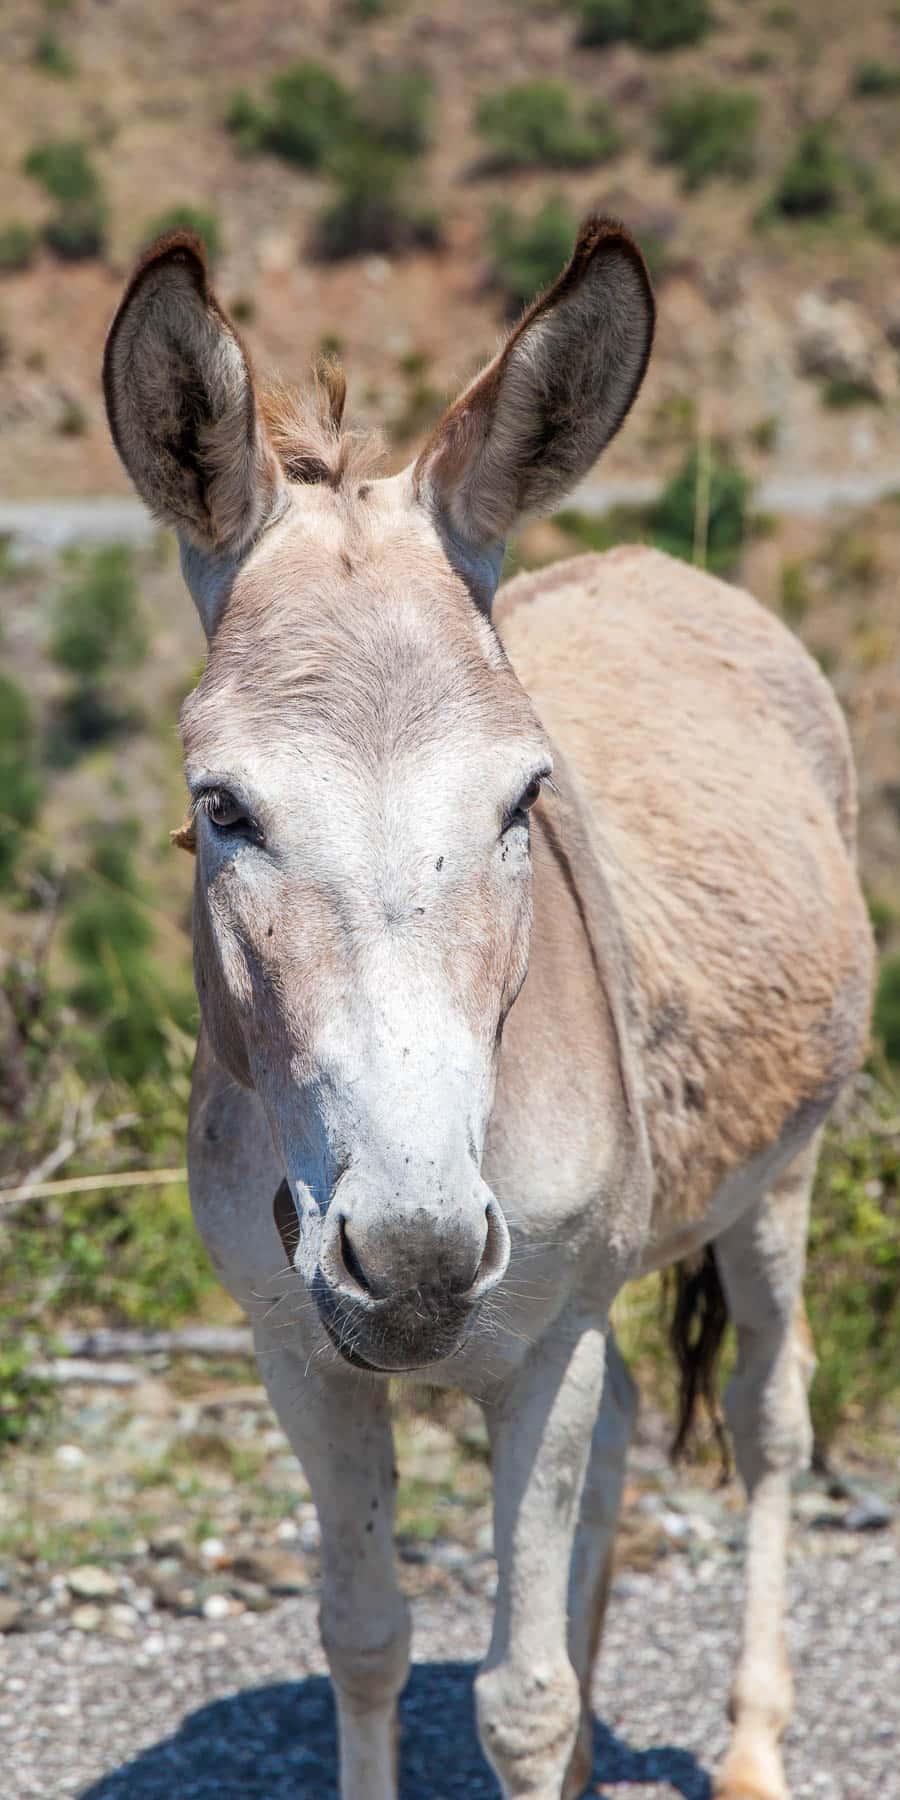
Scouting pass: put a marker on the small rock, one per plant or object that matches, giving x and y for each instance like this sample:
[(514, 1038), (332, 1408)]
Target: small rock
[(121, 1621), (448, 1555), (310, 1535), (220, 1606), (276, 1570), (169, 1542), (254, 1597), (870, 1513), (92, 1583), (87, 1617), (215, 1553), (837, 341), (69, 1456), (286, 1532), (12, 1612)]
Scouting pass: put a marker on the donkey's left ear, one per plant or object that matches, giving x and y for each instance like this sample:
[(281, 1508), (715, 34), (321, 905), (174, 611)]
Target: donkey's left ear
[(182, 406), (530, 426)]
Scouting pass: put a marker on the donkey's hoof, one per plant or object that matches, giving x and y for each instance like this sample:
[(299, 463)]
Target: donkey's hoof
[(751, 1777)]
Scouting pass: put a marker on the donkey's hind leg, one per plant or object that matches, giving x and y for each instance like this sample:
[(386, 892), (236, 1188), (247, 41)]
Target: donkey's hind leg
[(761, 1260), (592, 1555)]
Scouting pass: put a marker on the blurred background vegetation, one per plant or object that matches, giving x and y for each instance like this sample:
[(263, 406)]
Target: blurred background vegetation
[(391, 183)]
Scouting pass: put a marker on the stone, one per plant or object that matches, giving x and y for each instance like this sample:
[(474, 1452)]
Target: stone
[(12, 1613), (310, 1535), (214, 1552), (221, 1606), (69, 1456), (869, 1513), (89, 1582), (121, 1620), (837, 341), (169, 1542), (87, 1617), (279, 1571)]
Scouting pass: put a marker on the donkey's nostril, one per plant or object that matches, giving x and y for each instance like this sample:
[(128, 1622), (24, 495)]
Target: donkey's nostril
[(495, 1255), (351, 1261)]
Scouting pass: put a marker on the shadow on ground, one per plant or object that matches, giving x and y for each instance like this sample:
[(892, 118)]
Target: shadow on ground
[(278, 1743)]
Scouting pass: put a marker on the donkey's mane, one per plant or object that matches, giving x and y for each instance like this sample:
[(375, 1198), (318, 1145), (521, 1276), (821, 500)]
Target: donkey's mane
[(306, 430)]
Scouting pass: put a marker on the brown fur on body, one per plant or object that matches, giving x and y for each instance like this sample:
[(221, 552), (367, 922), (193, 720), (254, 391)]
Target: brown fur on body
[(716, 767)]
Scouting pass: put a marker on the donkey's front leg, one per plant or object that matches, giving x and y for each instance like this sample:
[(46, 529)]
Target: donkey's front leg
[(527, 1693), (339, 1425)]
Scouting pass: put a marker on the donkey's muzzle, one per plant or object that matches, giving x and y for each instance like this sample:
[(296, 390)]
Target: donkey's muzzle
[(404, 1293)]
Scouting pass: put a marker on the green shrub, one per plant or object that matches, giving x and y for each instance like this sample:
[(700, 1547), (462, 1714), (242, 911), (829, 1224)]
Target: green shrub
[(98, 625), (20, 784), (604, 21), (77, 232), (18, 243), (812, 182), (673, 518), (188, 218), (528, 253), (853, 1279), (653, 24), (53, 57), (394, 109), (671, 521), (883, 217), (843, 392), (876, 78), (307, 117), (709, 132), (246, 119), (27, 1401), (65, 171), (118, 986), (535, 123), (887, 1008), (796, 595), (371, 209)]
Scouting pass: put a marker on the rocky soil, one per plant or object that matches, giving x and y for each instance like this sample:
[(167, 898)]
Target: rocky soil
[(159, 1569)]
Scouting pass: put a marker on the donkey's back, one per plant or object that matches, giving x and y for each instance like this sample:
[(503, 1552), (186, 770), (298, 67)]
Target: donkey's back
[(715, 764)]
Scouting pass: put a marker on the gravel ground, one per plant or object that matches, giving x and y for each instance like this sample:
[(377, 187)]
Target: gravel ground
[(240, 1711)]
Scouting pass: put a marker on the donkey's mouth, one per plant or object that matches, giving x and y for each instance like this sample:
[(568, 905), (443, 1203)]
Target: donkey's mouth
[(410, 1332)]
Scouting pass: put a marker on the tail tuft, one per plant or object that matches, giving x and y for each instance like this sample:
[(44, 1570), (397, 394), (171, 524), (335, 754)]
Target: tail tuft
[(696, 1334)]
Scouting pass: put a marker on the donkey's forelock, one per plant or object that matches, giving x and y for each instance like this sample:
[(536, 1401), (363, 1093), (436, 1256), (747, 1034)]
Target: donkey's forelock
[(306, 430)]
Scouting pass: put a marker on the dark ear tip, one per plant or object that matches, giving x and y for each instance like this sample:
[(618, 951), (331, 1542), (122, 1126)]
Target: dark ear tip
[(599, 231), (173, 247)]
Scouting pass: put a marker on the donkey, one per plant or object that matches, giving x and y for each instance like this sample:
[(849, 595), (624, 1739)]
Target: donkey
[(631, 783)]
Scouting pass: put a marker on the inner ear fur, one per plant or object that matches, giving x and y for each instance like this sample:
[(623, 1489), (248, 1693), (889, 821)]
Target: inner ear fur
[(532, 424), (182, 405)]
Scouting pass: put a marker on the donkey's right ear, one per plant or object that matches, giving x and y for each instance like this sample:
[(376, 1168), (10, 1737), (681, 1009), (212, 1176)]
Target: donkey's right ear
[(182, 406)]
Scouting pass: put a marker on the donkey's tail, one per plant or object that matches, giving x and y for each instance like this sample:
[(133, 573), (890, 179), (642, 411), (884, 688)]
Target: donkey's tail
[(699, 1318)]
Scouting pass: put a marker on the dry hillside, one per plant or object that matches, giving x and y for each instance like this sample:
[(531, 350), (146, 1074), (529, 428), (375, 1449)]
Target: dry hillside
[(748, 302)]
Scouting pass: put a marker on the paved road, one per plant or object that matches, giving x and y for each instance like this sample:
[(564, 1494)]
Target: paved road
[(54, 524), (242, 1712)]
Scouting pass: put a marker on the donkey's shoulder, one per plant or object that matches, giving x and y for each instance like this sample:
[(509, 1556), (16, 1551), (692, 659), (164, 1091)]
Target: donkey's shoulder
[(659, 630)]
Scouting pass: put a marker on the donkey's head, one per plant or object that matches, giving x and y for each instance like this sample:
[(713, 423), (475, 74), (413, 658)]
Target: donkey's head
[(362, 762)]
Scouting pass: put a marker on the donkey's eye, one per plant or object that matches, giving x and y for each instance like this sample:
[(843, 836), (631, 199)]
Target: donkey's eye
[(527, 799), (225, 812)]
